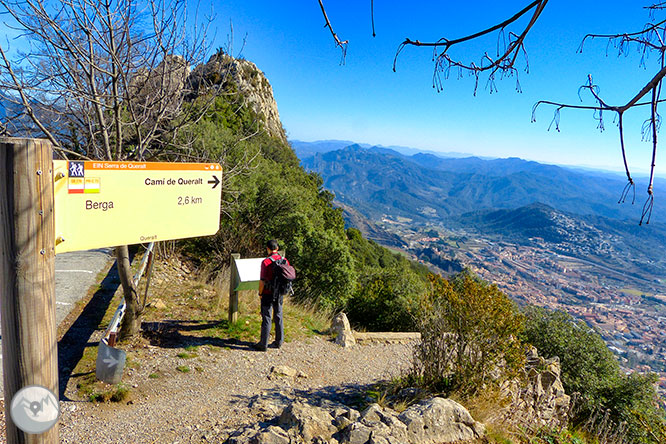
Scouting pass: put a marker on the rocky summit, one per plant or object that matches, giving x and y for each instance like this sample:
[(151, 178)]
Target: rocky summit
[(243, 77)]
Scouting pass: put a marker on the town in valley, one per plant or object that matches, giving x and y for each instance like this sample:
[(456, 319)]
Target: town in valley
[(621, 299)]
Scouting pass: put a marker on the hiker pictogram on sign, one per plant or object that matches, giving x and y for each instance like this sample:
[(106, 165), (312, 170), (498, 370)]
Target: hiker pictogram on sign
[(76, 169)]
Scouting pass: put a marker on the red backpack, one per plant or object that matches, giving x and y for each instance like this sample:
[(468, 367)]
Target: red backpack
[(283, 275)]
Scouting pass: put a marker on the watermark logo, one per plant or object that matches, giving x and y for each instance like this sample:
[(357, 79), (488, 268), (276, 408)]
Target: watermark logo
[(34, 409)]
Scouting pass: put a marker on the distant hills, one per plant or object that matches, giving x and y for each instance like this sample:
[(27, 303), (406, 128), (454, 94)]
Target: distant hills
[(307, 149), (425, 187), (532, 221)]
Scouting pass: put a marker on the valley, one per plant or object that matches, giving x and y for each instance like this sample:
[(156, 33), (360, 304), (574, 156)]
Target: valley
[(593, 281), (544, 235)]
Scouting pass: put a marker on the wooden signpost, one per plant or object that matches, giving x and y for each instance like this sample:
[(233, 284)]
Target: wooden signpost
[(27, 270)]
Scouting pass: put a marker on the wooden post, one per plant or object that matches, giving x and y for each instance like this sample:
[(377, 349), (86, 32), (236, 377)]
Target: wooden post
[(233, 294), (27, 270)]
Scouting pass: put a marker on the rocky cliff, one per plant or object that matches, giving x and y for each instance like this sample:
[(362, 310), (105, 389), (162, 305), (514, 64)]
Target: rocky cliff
[(243, 77), (536, 398)]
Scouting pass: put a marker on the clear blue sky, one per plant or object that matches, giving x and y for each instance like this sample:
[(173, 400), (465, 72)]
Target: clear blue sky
[(365, 101)]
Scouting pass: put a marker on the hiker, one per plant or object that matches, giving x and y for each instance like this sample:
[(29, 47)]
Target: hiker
[(274, 283)]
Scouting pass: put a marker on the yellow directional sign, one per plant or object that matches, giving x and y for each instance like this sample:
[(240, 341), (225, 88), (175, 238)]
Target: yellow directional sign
[(104, 204)]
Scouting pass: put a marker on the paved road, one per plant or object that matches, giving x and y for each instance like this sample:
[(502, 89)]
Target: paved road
[(75, 273)]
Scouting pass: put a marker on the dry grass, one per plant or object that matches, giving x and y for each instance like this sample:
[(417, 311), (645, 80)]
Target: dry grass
[(484, 407), (182, 296)]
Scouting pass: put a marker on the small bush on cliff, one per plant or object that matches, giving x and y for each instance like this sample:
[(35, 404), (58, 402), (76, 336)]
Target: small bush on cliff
[(469, 336), (590, 369)]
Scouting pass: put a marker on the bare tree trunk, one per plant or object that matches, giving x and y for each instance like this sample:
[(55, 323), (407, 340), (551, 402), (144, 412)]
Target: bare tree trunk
[(131, 321)]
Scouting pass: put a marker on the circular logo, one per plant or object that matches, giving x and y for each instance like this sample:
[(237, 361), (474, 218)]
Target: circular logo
[(34, 409)]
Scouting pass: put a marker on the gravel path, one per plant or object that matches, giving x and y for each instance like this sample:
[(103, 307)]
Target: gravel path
[(226, 389)]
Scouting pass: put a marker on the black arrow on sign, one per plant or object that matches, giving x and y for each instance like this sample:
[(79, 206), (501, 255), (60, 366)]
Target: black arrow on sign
[(215, 181)]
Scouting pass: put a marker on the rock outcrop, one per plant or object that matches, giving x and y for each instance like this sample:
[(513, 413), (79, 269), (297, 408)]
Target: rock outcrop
[(434, 421), (440, 420), (248, 80), (537, 398), (340, 327)]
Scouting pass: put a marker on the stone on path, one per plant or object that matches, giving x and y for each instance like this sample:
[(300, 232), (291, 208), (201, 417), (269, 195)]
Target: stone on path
[(340, 327)]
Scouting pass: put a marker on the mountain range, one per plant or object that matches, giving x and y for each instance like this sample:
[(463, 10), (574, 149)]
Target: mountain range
[(307, 149), (425, 187)]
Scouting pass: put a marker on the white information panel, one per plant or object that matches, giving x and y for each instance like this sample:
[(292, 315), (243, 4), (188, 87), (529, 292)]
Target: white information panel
[(248, 272)]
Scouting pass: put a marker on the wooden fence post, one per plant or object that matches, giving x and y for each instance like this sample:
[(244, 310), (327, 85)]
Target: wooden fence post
[(27, 270), (233, 294)]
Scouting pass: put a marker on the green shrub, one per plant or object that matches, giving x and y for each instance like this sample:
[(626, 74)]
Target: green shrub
[(387, 299), (469, 336)]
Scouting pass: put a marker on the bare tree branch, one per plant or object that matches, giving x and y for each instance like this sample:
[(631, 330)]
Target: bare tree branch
[(654, 121), (341, 44), (372, 17), (24, 99), (650, 39), (506, 56)]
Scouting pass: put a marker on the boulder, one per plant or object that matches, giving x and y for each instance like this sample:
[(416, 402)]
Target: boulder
[(440, 420), (435, 421), (340, 327), (357, 433), (271, 435), (309, 421), (269, 405), (375, 414)]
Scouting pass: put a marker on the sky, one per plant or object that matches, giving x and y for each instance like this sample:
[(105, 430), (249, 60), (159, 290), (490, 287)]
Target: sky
[(364, 101)]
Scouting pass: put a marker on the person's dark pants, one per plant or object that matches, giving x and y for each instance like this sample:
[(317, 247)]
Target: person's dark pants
[(268, 308)]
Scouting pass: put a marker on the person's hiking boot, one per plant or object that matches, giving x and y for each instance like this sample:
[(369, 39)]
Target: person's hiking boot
[(259, 347), (275, 345)]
